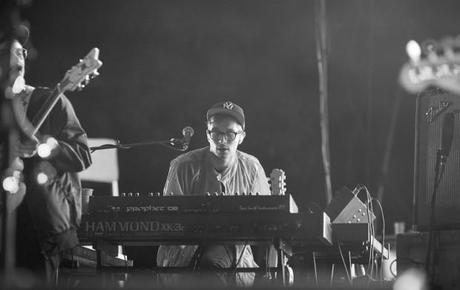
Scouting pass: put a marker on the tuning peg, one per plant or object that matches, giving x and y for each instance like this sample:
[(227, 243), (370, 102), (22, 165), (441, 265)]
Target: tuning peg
[(429, 46)]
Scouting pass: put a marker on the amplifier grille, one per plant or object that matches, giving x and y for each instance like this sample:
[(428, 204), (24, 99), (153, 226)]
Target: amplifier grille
[(432, 105)]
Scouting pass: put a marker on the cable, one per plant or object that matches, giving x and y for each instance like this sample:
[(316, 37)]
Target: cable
[(391, 265), (344, 263), (372, 237), (239, 258), (315, 269), (195, 260), (351, 265), (371, 229), (428, 259), (358, 189), (383, 236), (267, 262), (369, 210), (370, 214), (368, 205)]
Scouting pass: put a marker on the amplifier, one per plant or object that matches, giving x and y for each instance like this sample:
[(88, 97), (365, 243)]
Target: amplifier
[(433, 107), (192, 204)]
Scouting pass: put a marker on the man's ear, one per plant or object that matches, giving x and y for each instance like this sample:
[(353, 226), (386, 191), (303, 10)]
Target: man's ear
[(242, 135)]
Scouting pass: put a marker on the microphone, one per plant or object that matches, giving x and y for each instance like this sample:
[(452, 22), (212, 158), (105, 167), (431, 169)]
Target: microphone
[(447, 135), (173, 143), (187, 132)]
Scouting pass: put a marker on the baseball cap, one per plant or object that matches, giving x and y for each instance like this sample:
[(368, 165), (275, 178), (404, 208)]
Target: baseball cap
[(227, 108)]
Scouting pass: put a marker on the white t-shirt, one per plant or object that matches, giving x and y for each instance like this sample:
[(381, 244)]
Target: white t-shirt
[(192, 173)]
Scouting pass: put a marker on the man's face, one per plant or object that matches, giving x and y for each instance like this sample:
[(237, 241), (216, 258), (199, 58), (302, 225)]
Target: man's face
[(17, 58), (224, 136)]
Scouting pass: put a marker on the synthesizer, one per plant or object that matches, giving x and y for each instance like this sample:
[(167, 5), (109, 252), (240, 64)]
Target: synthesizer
[(158, 228), (203, 204)]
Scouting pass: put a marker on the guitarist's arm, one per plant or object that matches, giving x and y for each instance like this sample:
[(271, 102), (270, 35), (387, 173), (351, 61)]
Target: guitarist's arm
[(25, 148), (72, 153)]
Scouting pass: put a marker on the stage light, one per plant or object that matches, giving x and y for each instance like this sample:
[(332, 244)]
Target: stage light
[(11, 184), (413, 50), (42, 178), (44, 172), (45, 149), (412, 279)]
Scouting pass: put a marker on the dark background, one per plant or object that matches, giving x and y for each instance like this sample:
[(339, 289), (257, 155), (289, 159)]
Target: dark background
[(166, 62)]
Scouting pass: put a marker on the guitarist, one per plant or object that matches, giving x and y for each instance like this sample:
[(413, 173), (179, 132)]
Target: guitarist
[(48, 216)]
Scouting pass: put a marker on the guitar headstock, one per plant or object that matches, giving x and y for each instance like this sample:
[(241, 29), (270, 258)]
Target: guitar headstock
[(278, 182), (80, 74), (434, 63)]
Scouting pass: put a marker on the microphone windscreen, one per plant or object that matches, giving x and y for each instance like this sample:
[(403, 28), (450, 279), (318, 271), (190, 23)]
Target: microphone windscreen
[(188, 131)]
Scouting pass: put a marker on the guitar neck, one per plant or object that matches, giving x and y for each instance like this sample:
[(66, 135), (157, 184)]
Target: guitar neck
[(76, 77), (46, 108)]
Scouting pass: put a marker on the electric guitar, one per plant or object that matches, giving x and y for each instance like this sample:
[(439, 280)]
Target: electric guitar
[(278, 182), (75, 78), (435, 63)]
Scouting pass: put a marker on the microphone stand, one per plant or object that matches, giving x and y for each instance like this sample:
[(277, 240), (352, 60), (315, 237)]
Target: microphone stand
[(440, 166), (173, 143)]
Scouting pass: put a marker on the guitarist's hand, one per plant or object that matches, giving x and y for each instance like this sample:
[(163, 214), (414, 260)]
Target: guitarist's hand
[(26, 148)]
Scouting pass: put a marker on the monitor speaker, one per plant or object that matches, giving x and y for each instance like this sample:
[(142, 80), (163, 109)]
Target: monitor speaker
[(431, 108)]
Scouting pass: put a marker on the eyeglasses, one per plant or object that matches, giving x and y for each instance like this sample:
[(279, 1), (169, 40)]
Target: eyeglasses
[(229, 136), (20, 52)]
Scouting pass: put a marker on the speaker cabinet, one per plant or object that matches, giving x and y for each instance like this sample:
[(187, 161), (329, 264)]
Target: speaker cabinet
[(431, 107)]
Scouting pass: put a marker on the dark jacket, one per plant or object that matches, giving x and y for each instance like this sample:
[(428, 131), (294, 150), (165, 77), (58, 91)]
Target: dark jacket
[(55, 207)]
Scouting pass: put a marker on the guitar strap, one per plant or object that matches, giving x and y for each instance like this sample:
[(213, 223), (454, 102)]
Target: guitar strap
[(36, 101)]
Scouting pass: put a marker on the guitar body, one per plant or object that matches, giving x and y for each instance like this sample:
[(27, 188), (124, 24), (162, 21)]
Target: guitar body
[(436, 63)]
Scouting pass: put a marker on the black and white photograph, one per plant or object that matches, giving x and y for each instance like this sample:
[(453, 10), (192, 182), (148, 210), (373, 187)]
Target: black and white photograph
[(228, 144)]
